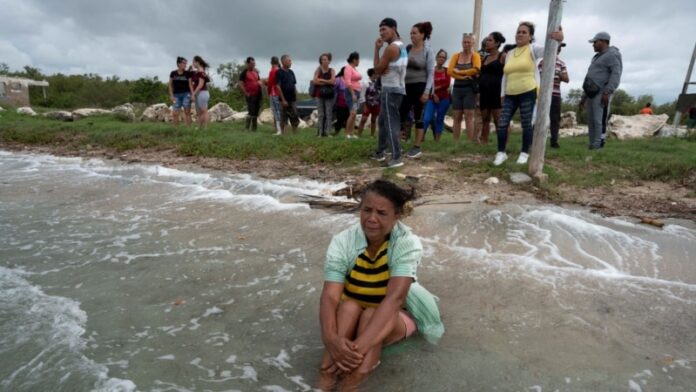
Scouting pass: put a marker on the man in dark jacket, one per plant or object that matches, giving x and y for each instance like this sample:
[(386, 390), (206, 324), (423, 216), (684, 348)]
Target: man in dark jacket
[(602, 80)]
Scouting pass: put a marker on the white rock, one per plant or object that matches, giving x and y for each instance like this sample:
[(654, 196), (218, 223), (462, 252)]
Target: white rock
[(124, 112), (569, 120), (219, 112), (266, 116), (26, 110), (237, 117), (1, 109), (492, 181), (637, 126), (670, 131), (568, 132), (449, 122), (159, 112), (59, 115), (86, 112), (520, 178)]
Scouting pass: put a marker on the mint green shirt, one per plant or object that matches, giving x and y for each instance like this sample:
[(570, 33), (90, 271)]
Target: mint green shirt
[(403, 255)]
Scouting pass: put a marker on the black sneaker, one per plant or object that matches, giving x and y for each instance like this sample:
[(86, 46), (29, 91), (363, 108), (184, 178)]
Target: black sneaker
[(378, 156), (555, 145), (393, 164), (414, 152)]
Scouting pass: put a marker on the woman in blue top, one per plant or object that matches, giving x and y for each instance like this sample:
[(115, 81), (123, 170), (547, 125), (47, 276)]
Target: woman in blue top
[(370, 297)]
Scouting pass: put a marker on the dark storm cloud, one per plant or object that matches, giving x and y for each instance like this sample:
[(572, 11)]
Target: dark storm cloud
[(141, 38)]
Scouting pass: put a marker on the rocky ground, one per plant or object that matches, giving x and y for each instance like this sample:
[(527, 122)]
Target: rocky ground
[(434, 182)]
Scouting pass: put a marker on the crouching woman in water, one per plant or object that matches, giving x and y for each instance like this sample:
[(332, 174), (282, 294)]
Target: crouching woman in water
[(370, 297)]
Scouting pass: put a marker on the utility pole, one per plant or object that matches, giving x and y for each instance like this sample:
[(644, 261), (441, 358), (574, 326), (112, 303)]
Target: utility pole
[(687, 82), (477, 21), (536, 163)]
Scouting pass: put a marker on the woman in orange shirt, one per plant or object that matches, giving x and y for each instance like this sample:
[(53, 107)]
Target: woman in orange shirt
[(464, 67)]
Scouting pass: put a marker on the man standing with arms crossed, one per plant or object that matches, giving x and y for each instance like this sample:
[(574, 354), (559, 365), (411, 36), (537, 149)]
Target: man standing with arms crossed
[(391, 68), (602, 80)]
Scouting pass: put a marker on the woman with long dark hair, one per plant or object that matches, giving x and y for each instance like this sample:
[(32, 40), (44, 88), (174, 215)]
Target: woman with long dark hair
[(491, 76), (201, 96), (419, 82)]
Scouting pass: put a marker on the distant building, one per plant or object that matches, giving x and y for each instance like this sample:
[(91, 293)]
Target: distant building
[(15, 91)]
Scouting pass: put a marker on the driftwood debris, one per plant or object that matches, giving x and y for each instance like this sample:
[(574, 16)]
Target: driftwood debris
[(319, 202), (651, 221)]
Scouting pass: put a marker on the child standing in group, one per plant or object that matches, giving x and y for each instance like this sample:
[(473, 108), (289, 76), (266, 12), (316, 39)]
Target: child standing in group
[(437, 105), (370, 97)]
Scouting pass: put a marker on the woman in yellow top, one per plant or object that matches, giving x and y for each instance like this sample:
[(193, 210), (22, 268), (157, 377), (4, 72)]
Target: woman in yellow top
[(519, 86), (464, 67)]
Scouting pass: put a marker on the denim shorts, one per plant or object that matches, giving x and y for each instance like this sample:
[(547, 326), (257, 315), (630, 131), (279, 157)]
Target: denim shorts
[(353, 106), (183, 100)]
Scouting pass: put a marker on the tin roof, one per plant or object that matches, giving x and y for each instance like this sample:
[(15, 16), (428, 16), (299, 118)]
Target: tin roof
[(23, 81)]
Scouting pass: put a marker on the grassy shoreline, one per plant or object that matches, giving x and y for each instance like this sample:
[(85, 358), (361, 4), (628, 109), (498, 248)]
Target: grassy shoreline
[(654, 159)]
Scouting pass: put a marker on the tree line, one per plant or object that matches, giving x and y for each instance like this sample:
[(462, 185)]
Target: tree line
[(91, 90)]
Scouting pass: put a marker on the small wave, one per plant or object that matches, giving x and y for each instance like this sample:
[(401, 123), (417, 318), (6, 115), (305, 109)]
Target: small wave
[(46, 332)]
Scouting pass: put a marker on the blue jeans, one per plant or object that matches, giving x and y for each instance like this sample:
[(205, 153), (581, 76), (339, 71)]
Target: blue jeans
[(276, 108), (525, 102), (435, 115), (390, 123)]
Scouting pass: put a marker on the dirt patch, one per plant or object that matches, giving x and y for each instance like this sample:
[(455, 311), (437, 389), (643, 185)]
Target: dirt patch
[(434, 181)]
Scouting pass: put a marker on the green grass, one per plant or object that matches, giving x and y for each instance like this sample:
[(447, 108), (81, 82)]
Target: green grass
[(659, 159)]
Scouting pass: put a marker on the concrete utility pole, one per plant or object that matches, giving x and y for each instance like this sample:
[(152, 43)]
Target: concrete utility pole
[(687, 82), (477, 21), (536, 163)]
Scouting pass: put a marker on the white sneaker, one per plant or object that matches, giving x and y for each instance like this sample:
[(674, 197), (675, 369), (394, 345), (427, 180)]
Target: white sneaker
[(522, 159), (500, 157)]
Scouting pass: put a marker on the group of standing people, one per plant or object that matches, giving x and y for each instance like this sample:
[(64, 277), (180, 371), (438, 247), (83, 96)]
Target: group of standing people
[(409, 85), (189, 85)]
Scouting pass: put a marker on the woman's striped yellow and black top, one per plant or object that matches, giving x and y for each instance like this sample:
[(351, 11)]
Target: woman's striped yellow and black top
[(367, 282)]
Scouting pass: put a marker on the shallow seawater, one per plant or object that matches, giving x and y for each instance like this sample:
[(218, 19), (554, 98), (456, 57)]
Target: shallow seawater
[(134, 277)]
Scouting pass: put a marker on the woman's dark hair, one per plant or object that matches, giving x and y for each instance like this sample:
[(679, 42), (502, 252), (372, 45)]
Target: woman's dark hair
[(353, 56), (391, 192), (498, 38), (249, 59), (425, 28), (275, 61), (200, 61), (530, 26), (328, 55), (180, 60), (441, 51), (340, 73)]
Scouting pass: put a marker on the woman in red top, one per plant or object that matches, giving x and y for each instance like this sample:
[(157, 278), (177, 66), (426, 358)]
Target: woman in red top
[(201, 96), (439, 101)]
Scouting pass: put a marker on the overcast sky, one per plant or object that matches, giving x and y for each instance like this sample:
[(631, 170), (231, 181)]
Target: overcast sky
[(137, 38)]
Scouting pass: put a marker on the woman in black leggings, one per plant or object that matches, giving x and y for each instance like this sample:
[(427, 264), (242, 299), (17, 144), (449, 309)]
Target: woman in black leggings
[(419, 82)]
